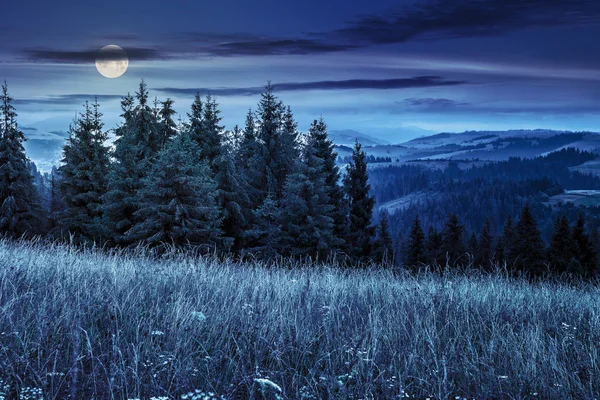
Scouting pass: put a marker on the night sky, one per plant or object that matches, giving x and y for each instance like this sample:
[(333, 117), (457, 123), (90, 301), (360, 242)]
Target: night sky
[(385, 68)]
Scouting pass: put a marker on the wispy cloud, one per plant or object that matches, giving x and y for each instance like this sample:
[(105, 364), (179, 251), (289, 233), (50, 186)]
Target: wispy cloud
[(432, 19), (276, 47), (448, 106), (423, 20), (465, 18), (431, 104), (88, 55), (380, 84), (66, 99)]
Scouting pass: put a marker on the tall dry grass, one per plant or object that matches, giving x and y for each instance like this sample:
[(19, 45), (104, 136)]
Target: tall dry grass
[(82, 324)]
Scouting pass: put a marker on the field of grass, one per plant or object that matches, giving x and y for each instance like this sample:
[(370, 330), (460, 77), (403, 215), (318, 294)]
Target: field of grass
[(84, 325)]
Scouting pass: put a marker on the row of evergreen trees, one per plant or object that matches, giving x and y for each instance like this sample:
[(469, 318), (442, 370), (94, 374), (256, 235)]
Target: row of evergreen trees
[(520, 247), (264, 191)]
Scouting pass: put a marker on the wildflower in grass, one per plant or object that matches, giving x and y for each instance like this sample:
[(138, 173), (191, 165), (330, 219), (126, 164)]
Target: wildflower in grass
[(201, 395), (248, 308), (198, 316), (267, 386), (157, 333)]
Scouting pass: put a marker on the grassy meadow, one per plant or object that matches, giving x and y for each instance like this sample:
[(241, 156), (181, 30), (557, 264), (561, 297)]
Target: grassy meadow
[(90, 325)]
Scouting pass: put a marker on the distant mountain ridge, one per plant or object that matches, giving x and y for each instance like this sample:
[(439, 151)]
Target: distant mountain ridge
[(347, 137), (483, 145)]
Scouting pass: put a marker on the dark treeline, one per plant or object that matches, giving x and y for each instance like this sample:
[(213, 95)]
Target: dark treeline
[(480, 205), (371, 159), (519, 247), (259, 191), (492, 191)]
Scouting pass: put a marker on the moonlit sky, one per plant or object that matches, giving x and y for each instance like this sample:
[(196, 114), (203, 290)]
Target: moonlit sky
[(385, 68)]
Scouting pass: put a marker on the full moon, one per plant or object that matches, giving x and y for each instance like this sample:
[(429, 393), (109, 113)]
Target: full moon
[(112, 61)]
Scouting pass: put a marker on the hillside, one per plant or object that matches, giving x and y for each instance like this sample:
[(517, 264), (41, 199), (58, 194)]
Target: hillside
[(348, 137), (43, 147), (482, 145), (96, 326)]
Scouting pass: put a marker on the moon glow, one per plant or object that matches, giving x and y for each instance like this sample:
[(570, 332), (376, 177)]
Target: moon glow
[(112, 61)]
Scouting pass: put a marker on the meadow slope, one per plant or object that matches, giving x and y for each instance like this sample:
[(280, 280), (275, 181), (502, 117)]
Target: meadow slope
[(88, 325)]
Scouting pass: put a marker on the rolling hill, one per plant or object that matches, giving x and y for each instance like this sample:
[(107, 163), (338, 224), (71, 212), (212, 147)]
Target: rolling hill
[(482, 145)]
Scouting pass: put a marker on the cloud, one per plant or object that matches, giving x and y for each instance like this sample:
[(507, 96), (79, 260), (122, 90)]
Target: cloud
[(122, 36), (379, 84), (240, 44), (430, 104), (448, 106), (276, 47), (88, 55), (67, 99), (464, 18), (424, 19), (433, 19)]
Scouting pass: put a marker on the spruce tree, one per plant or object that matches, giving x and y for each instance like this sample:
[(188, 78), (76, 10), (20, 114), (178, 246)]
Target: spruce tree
[(136, 148), (233, 202), (416, 249), (246, 162), (56, 199), (265, 233), (234, 140), (248, 144), (384, 245), (195, 126), (562, 246), (178, 206), (307, 228), (265, 164), (20, 203), (360, 232), (483, 254), (399, 249), (209, 138), (453, 242), (529, 246), (505, 248), (232, 198), (269, 156), (434, 253), (288, 145), (167, 128), (472, 245), (585, 250), (84, 169), (324, 151), (145, 128)]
